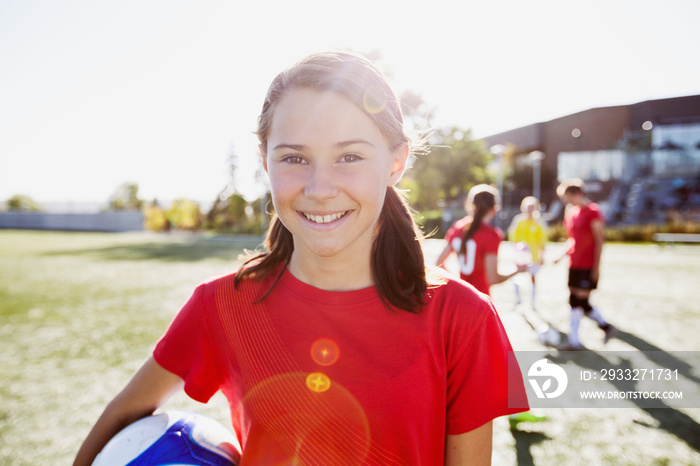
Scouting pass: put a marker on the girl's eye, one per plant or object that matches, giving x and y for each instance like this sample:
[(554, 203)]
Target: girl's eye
[(350, 158), (293, 159)]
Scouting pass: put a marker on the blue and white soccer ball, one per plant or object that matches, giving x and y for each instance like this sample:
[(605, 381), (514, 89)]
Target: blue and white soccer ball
[(171, 438), (549, 336)]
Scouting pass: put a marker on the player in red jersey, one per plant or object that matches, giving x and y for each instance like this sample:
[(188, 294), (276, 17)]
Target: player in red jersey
[(584, 224), (476, 241)]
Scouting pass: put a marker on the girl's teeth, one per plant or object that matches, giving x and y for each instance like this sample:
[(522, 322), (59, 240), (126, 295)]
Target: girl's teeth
[(324, 218)]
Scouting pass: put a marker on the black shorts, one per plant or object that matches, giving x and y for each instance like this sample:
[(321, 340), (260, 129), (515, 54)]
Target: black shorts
[(581, 278)]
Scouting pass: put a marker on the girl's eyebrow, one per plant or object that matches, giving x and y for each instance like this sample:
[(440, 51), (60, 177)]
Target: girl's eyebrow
[(340, 145), (297, 147), (353, 141)]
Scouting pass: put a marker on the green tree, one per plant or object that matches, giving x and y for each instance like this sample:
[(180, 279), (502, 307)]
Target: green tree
[(184, 214), (126, 197), (154, 218), (22, 202), (456, 162), (233, 214)]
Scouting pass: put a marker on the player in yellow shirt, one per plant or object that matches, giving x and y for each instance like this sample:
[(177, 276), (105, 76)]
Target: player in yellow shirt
[(530, 237)]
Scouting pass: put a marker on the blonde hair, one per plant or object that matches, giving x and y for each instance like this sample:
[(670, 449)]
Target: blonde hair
[(529, 201)]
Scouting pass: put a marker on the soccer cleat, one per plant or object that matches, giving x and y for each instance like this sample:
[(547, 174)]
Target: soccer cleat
[(610, 332), (515, 419)]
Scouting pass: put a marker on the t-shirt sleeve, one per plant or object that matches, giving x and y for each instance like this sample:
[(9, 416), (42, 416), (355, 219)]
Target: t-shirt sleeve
[(596, 214), (185, 347), (450, 235), (478, 376)]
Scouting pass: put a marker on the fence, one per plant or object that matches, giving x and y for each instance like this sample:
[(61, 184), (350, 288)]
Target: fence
[(113, 221)]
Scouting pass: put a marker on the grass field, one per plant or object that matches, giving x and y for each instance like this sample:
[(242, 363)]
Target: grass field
[(80, 312)]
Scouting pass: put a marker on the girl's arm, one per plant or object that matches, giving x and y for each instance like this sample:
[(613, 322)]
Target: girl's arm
[(567, 247), (149, 389), (492, 275), (443, 256), (472, 448), (598, 240)]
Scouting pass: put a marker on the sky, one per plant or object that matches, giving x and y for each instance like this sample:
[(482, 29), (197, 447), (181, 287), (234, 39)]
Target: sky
[(97, 93)]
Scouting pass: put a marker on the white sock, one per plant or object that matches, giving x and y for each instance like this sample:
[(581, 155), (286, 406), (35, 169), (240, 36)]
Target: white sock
[(595, 315), (533, 297), (517, 292), (576, 314)]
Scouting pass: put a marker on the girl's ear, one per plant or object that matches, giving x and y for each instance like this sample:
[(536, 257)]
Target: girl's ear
[(398, 163)]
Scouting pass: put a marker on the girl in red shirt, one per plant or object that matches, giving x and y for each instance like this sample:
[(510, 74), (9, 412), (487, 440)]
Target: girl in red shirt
[(335, 345), (476, 241)]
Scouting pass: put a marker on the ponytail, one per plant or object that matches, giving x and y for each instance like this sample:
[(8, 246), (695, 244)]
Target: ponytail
[(484, 198), (279, 245), (477, 220), (397, 262)]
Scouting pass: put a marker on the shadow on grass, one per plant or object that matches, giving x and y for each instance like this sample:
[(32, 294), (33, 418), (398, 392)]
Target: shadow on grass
[(658, 355), (669, 419), (524, 441), (176, 250)]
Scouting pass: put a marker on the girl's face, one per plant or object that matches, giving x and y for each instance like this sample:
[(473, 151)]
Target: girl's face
[(329, 167), (574, 198)]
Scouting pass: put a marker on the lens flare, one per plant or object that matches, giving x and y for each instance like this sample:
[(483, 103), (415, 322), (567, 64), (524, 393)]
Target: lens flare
[(318, 382), (325, 351), (291, 423), (374, 101)]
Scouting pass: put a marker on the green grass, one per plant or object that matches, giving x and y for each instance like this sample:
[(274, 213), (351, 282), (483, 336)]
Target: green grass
[(80, 312)]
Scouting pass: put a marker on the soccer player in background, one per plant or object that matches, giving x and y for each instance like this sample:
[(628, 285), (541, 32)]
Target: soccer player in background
[(526, 230), (584, 224)]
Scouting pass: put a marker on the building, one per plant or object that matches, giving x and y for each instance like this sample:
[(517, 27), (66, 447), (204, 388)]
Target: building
[(640, 161)]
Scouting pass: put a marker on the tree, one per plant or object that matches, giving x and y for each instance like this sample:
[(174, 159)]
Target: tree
[(455, 164), (22, 202), (417, 113), (184, 214), (154, 218), (229, 208), (126, 197)]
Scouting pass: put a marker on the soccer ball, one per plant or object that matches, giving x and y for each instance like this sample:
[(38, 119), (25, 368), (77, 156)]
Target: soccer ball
[(549, 336), (171, 438), (522, 254)]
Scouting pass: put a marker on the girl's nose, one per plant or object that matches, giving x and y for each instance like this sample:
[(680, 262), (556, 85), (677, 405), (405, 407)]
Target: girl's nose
[(321, 184)]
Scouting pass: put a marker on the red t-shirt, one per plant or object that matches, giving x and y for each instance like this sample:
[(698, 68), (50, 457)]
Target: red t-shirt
[(486, 240), (336, 377), (578, 226)]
